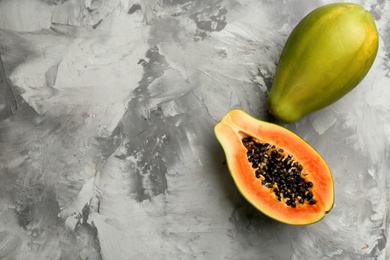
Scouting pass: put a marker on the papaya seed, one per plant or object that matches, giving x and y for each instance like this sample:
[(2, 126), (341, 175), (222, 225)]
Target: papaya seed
[(279, 172)]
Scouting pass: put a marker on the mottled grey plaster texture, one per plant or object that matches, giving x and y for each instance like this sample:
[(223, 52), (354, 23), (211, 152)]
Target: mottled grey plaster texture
[(107, 149)]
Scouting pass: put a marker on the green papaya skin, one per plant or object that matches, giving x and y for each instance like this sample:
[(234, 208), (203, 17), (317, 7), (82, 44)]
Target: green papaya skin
[(327, 54)]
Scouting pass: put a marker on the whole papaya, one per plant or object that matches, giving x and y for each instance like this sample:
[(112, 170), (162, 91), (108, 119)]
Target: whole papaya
[(326, 55)]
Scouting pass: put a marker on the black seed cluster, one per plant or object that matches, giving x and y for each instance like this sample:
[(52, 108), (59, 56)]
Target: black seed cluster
[(278, 171)]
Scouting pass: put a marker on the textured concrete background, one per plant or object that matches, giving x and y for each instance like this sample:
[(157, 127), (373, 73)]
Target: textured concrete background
[(107, 148)]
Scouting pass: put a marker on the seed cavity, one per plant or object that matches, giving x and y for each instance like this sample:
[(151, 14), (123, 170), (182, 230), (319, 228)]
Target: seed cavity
[(278, 171)]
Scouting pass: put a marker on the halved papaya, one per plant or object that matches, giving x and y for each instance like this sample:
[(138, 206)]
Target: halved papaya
[(278, 172)]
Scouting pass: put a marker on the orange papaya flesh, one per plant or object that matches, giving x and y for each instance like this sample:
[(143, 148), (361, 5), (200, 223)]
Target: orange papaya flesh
[(302, 199), (326, 55)]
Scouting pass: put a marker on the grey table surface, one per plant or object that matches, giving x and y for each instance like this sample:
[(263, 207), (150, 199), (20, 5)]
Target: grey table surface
[(107, 148)]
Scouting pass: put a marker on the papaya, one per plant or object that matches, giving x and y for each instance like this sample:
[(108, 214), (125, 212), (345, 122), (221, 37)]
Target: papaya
[(275, 170), (327, 54)]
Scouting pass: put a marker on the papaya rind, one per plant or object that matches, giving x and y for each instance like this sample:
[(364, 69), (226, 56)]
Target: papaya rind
[(327, 54)]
